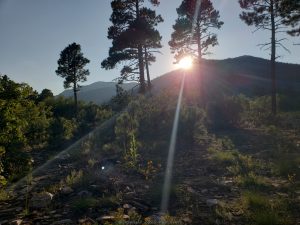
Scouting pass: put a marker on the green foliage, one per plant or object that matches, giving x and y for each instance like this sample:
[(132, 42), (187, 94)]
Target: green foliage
[(71, 67), (121, 100), (4, 195), (131, 155), (263, 210), (74, 177), (83, 204), (132, 30), (150, 170), (226, 111), (132, 217)]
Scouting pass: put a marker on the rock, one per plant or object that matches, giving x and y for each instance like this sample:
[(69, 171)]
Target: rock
[(66, 190), (41, 200), (84, 193), (36, 179), (203, 191), (65, 221), (126, 206), (57, 216), (16, 222), (86, 221), (187, 220), (105, 218), (140, 205), (211, 202)]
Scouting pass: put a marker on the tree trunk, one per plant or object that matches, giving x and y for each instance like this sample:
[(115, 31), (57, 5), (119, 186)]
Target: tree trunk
[(75, 98), (198, 35), (140, 55), (147, 68), (273, 58)]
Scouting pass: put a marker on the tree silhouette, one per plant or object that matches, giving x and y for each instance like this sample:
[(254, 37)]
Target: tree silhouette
[(132, 31), (192, 30), (290, 11), (265, 15), (71, 67)]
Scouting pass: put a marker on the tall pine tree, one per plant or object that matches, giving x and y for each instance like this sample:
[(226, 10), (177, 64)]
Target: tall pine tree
[(71, 67), (132, 31), (192, 30), (265, 15)]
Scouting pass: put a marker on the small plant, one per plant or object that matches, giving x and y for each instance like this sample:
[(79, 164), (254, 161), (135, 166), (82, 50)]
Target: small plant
[(86, 147), (4, 195), (119, 217), (150, 170), (74, 178), (92, 162), (29, 182), (131, 156)]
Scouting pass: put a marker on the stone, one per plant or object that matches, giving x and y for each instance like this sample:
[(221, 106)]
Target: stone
[(211, 202), (66, 190), (17, 222), (41, 200), (203, 191), (110, 218), (84, 193), (65, 221), (187, 220), (126, 206)]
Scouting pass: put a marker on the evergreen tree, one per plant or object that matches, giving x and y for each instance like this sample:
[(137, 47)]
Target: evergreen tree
[(192, 30), (265, 15), (290, 11), (133, 29), (71, 67)]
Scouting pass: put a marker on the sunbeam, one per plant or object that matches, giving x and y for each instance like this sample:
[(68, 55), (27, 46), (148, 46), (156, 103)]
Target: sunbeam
[(170, 161), (168, 173)]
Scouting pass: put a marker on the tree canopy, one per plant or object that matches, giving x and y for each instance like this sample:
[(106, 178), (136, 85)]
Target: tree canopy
[(132, 33), (71, 67), (193, 28)]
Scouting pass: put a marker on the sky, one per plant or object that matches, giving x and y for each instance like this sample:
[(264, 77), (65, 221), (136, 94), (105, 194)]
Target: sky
[(34, 32)]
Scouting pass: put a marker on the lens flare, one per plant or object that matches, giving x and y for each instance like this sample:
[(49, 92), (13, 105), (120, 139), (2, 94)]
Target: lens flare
[(171, 153), (186, 63)]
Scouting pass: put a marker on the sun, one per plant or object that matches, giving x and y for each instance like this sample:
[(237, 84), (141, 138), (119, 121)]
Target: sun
[(186, 63)]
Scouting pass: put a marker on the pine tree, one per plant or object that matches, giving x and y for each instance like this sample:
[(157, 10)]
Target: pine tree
[(71, 67), (132, 31), (192, 30), (290, 11), (265, 15)]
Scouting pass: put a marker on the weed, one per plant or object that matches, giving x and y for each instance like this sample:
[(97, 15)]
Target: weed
[(74, 178), (92, 162), (4, 195)]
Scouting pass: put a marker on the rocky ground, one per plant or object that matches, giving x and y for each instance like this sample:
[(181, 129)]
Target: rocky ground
[(82, 186)]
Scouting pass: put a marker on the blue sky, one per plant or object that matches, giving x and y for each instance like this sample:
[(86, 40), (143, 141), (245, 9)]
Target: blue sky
[(34, 32)]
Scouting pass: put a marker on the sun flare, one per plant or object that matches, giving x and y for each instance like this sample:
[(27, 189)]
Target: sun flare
[(186, 63)]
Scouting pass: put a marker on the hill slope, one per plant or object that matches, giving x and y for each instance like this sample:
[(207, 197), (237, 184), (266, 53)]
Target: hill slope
[(98, 92), (246, 74)]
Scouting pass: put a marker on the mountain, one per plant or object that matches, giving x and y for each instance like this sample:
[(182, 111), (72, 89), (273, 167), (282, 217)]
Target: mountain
[(246, 74), (98, 92), (242, 75)]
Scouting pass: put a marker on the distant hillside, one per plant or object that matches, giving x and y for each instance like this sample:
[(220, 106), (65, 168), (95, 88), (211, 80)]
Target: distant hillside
[(246, 74), (98, 92)]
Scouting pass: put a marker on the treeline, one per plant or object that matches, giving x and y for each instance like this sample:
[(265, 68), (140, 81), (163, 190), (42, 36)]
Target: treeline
[(32, 121)]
